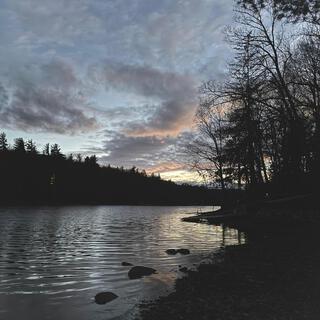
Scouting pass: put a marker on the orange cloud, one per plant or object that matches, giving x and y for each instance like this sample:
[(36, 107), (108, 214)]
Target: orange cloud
[(174, 171), (182, 176), (166, 167), (185, 121)]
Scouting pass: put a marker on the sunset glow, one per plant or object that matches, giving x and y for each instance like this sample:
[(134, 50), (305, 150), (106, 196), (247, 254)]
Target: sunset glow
[(116, 79)]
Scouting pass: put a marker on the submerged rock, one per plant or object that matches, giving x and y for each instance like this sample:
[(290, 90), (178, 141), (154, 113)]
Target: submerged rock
[(183, 251), (171, 251), (126, 264), (138, 272), (104, 297), (175, 251)]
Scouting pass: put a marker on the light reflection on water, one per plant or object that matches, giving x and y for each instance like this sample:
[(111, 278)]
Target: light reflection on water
[(54, 260)]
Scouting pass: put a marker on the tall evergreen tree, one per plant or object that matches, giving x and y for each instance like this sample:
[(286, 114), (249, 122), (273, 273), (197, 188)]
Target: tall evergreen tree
[(46, 149), (3, 142), (55, 151), (19, 145), (31, 147)]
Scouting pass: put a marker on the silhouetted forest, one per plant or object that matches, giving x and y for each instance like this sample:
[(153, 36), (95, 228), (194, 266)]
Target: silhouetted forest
[(259, 128), (49, 177)]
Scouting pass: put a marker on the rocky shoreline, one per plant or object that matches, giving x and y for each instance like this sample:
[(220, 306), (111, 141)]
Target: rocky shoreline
[(288, 212), (272, 277)]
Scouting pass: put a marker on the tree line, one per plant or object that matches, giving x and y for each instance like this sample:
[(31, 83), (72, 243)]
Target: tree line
[(30, 176), (259, 128)]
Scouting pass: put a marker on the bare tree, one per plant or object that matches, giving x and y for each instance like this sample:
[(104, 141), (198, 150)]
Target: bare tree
[(207, 148)]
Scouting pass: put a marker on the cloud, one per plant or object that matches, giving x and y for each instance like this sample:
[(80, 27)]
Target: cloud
[(3, 97), (170, 118), (173, 34), (143, 79), (161, 155), (159, 48), (146, 58), (59, 22), (174, 94), (153, 153), (120, 149), (59, 74), (46, 110), (47, 98)]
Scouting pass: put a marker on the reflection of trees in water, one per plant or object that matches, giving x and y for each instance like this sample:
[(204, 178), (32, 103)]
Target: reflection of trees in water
[(232, 236)]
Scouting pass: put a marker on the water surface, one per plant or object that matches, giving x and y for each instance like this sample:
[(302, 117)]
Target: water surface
[(53, 260)]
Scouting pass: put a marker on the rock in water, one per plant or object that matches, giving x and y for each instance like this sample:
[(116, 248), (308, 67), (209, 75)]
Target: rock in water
[(183, 251), (138, 272), (171, 251), (105, 297), (126, 264)]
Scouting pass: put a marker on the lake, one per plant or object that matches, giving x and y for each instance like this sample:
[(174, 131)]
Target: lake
[(54, 260)]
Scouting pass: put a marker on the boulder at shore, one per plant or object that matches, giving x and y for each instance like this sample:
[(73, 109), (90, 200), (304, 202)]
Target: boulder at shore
[(126, 264), (104, 297), (183, 251), (171, 251), (183, 269), (175, 251), (138, 272)]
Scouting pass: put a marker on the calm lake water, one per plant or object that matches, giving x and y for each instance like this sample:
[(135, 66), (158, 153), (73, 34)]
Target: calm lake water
[(54, 260)]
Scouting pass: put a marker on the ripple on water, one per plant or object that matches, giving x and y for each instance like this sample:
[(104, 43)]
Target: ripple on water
[(58, 259)]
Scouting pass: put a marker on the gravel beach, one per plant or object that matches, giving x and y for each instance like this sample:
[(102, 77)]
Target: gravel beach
[(271, 277)]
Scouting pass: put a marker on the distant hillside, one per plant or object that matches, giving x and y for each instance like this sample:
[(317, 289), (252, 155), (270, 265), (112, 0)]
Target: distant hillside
[(28, 177)]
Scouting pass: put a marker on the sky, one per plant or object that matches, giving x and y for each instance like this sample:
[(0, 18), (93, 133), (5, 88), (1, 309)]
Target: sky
[(115, 78)]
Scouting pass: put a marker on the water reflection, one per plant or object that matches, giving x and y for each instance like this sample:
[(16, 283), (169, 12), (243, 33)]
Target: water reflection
[(54, 260)]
